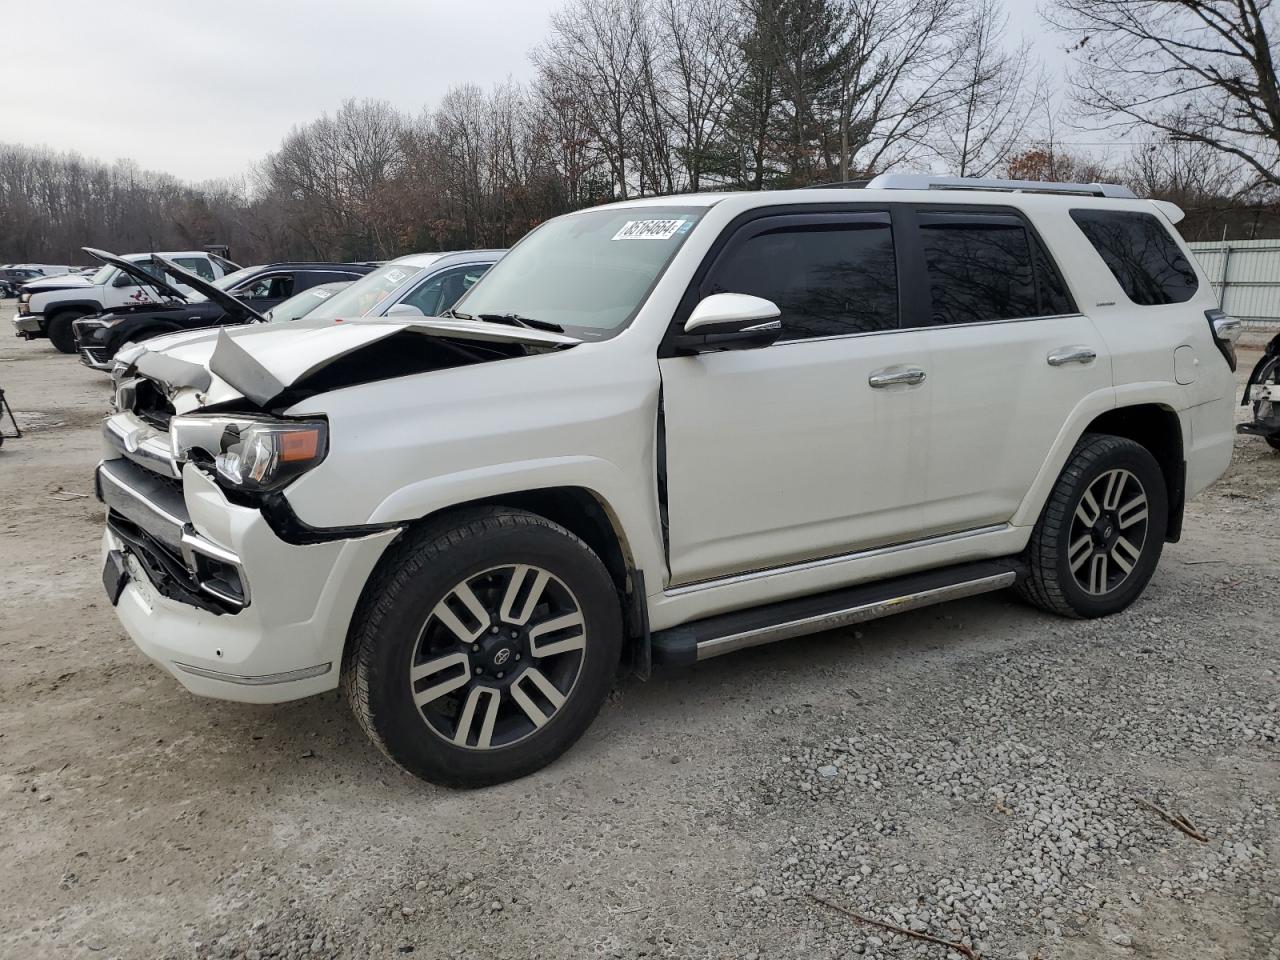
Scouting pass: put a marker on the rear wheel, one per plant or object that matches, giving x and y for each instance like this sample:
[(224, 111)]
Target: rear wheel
[(1101, 534), (484, 647), (60, 333)]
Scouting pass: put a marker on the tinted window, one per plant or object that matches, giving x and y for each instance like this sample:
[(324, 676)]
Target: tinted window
[(275, 286), (1140, 254), (980, 268), (827, 279)]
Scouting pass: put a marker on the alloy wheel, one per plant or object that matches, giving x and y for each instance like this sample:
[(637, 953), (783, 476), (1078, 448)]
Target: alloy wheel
[(498, 657), (1108, 532)]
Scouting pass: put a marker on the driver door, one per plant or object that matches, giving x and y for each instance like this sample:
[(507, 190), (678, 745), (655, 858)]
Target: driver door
[(814, 446)]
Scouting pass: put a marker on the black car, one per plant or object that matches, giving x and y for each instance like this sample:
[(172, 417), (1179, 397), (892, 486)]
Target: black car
[(239, 297), (270, 284)]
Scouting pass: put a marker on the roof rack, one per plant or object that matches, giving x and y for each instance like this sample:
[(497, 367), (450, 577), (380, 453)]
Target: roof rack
[(847, 184), (925, 181)]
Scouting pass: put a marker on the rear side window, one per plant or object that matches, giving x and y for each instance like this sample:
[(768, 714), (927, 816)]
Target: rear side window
[(198, 265), (829, 279), (984, 267), (1141, 255)]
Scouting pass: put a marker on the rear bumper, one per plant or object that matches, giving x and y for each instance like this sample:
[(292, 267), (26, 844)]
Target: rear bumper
[(211, 594), (28, 325)]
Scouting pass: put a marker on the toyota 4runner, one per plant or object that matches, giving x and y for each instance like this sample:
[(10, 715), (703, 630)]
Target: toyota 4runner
[(664, 430)]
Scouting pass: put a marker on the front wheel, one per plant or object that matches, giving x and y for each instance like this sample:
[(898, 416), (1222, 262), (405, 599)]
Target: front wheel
[(1099, 538), (484, 647), (60, 333)]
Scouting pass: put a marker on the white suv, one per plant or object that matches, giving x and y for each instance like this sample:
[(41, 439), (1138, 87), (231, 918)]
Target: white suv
[(668, 429)]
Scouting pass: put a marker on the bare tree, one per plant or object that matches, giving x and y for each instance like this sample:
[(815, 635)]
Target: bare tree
[(1197, 70), (998, 95)]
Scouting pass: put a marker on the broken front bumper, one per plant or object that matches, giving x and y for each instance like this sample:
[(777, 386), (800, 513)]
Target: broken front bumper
[(28, 325), (207, 589)]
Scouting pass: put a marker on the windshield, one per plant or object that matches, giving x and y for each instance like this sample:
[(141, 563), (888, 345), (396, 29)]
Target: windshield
[(589, 272), (302, 304), (366, 293), (103, 274)]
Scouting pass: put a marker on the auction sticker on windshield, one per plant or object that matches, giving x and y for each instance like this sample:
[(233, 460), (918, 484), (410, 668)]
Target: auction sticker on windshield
[(650, 229)]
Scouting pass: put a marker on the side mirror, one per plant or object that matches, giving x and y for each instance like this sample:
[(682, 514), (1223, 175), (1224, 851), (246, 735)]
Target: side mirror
[(730, 321), (404, 310)]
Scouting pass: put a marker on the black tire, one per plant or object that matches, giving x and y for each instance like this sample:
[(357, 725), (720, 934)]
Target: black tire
[(59, 329), (1053, 582), (1274, 443), (398, 618)]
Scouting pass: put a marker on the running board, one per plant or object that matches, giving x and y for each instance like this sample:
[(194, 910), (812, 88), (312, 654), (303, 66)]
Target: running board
[(703, 639)]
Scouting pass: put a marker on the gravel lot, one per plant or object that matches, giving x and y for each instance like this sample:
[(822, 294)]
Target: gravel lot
[(966, 771)]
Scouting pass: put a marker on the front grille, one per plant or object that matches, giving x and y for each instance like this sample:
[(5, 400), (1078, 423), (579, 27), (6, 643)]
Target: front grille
[(94, 356)]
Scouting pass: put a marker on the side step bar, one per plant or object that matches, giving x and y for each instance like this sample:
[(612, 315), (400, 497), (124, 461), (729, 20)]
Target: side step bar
[(713, 636)]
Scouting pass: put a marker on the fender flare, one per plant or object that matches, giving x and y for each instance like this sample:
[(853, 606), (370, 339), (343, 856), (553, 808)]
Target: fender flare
[(635, 523), (58, 306)]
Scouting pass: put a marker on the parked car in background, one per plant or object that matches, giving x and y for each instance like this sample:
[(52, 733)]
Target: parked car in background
[(268, 285), (48, 307), (12, 279), (239, 297), (421, 284), (669, 428)]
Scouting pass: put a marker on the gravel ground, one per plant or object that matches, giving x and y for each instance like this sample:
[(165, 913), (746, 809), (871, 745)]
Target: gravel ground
[(966, 772)]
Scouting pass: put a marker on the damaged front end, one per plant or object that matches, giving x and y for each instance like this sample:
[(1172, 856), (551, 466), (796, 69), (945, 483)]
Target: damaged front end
[(202, 423), (1262, 390)]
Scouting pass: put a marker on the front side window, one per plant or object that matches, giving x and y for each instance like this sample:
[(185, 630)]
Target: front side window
[(275, 286), (829, 279), (1141, 255), (435, 296), (589, 272)]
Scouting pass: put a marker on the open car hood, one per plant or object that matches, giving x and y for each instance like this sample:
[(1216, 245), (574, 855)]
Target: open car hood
[(234, 306), (261, 363), (138, 274)]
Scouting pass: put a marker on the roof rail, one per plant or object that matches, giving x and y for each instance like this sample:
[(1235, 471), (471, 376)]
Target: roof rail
[(925, 181), (847, 184)]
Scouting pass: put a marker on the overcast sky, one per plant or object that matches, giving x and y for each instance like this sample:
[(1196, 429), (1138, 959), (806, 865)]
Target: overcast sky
[(203, 90)]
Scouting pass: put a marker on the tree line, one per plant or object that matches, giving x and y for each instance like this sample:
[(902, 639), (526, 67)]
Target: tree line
[(637, 97)]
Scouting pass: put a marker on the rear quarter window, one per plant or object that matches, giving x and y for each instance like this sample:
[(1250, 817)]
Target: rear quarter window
[(1141, 254)]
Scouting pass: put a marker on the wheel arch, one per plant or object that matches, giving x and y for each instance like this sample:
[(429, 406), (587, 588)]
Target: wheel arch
[(586, 514), (1158, 428), (82, 308)]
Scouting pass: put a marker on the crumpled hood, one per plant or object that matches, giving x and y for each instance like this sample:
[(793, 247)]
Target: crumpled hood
[(261, 362)]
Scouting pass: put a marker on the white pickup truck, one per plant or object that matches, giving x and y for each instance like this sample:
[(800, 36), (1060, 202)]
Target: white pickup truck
[(668, 429), (47, 308)]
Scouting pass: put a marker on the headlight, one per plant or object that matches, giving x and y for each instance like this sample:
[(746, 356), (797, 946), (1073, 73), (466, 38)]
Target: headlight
[(253, 454), (24, 298)]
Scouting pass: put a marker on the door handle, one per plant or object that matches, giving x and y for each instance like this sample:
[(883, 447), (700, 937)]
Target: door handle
[(892, 376), (1065, 355)]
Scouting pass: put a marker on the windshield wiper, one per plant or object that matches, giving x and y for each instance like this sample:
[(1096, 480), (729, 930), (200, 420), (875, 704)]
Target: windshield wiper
[(515, 320)]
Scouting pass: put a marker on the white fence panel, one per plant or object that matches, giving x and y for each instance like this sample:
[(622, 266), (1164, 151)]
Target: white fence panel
[(1245, 276)]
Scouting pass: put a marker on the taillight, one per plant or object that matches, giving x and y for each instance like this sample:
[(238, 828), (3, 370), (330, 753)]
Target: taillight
[(1226, 331)]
